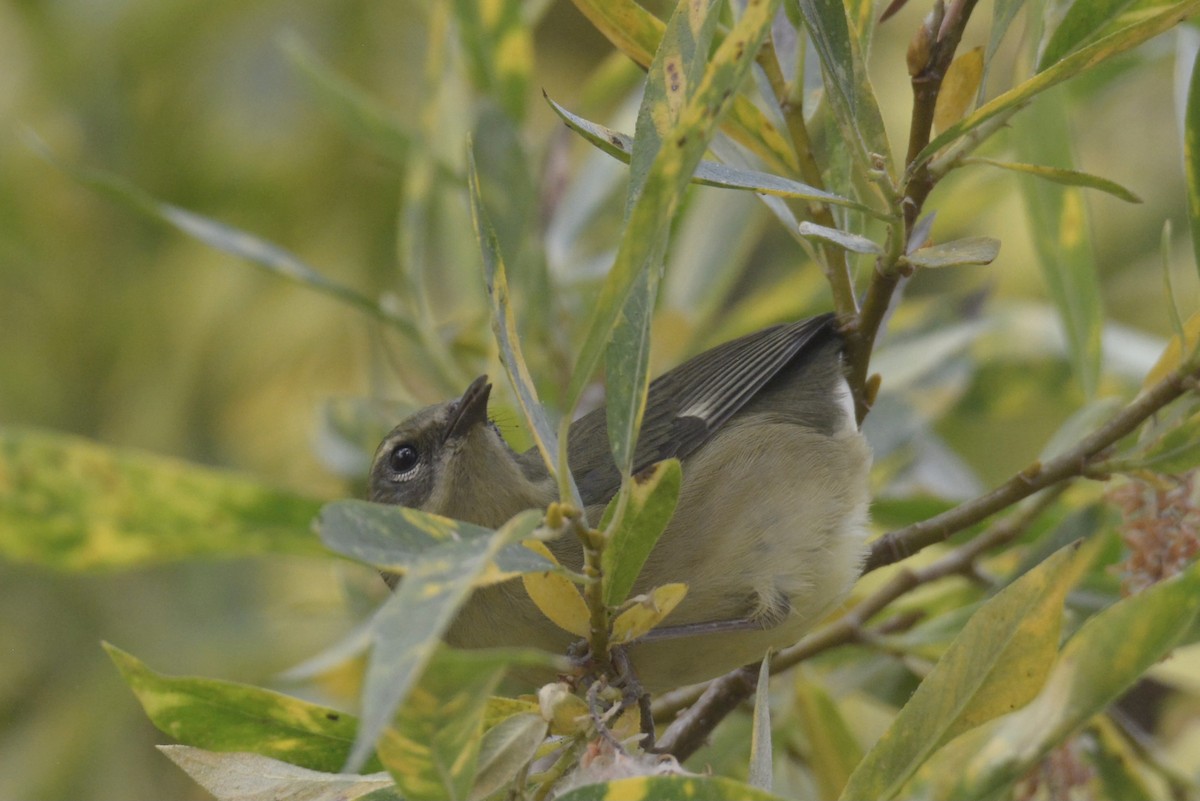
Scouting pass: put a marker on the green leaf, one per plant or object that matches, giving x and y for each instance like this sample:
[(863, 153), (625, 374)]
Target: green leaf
[(1191, 158), (499, 50), (843, 239), (651, 502), (637, 33), (650, 219), (361, 115), (506, 748), (395, 538), (1175, 452), (226, 716), (1060, 175), (226, 238), (674, 77), (847, 86), (1082, 21), (410, 623), (1062, 236), (68, 503), (833, 748), (650, 788), (251, 777), (997, 663), (1074, 64), (504, 328), (432, 745), (708, 173), (1104, 658), (1118, 762), (762, 757), (958, 253)]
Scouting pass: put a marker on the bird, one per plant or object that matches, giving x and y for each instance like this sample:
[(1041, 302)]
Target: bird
[(769, 530)]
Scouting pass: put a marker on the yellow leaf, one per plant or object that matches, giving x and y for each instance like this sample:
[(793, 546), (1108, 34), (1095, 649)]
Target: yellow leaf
[(958, 89), (557, 596), (647, 612), (1172, 355)]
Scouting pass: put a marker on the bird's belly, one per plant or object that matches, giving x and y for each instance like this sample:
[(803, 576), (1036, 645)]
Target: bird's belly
[(761, 532)]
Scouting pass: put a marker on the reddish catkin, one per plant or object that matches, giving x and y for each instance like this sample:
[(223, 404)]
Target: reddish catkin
[(1160, 527)]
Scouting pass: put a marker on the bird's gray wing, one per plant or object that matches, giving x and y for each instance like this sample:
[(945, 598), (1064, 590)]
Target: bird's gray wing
[(688, 404)]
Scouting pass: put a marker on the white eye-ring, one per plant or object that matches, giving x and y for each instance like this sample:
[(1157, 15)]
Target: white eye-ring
[(404, 460)]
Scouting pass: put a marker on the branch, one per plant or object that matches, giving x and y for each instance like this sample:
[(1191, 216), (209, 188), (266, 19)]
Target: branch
[(930, 56), (1077, 461)]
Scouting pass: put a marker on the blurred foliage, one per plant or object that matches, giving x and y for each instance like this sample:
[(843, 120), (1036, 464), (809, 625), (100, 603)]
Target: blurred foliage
[(337, 131)]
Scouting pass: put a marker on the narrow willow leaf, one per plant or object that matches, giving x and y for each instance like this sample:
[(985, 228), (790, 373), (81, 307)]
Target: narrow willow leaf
[(650, 505), (68, 503), (709, 173), (646, 613), (649, 221), (1164, 260), (504, 327), (1175, 452), (499, 49), (226, 716), (504, 750), (762, 757), (847, 86), (637, 33), (1063, 239), (1120, 765), (361, 115), (1003, 13), (432, 744), (252, 777), (1060, 175), (557, 596), (226, 238), (843, 239), (960, 252), (959, 88), (833, 748), (1100, 662), (997, 663), (394, 538), (693, 788), (1081, 22), (412, 620), (1079, 61), (674, 77), (1177, 350), (1191, 159)]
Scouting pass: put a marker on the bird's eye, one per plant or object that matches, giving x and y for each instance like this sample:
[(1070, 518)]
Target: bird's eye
[(403, 458)]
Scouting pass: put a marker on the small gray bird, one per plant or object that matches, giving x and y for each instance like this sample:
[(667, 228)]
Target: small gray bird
[(770, 526)]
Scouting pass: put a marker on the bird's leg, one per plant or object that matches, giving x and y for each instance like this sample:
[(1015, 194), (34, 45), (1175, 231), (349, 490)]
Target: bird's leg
[(634, 693)]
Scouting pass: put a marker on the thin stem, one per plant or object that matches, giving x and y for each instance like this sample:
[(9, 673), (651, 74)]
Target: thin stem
[(833, 259), (1077, 461), (933, 51)]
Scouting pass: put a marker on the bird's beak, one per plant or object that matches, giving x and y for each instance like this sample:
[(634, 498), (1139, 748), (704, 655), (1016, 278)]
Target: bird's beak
[(471, 410)]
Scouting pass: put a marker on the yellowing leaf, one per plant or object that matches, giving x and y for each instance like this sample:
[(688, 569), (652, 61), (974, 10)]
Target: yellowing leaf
[(647, 612), (556, 596), (996, 664), (1173, 355), (959, 88)]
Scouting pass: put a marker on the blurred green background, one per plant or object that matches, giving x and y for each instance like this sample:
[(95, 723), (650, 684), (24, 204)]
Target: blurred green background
[(127, 332)]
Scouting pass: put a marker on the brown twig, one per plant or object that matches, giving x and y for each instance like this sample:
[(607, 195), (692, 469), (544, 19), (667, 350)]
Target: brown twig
[(1077, 461), (929, 58)]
